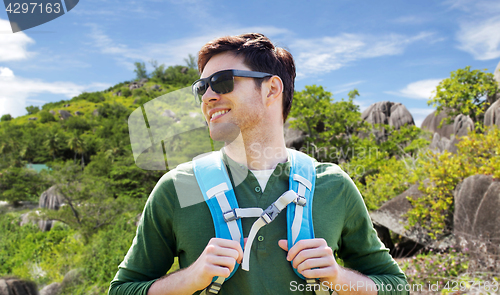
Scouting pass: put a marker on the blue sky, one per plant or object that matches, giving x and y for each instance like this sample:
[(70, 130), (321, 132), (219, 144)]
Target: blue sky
[(388, 50)]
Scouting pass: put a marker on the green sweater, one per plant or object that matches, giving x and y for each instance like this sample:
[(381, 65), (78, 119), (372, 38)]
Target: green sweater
[(177, 222)]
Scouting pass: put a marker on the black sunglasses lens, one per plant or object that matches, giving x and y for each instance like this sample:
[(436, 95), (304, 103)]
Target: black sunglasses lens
[(199, 89), (222, 82)]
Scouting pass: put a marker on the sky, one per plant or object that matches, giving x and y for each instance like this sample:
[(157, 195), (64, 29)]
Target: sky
[(389, 50)]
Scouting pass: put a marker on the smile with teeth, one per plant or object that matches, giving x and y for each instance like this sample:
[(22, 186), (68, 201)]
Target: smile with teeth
[(219, 113)]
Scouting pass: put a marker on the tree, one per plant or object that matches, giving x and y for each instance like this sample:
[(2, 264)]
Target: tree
[(140, 70), (11, 144), (6, 117), (92, 97), (53, 142), (331, 126), (30, 142), (21, 184), (76, 124), (32, 110), (46, 117), (74, 143), (15, 151), (465, 92), (158, 71), (89, 204), (4, 149), (191, 62)]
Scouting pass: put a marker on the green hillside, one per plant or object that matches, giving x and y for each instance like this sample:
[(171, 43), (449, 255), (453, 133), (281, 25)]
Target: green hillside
[(91, 161)]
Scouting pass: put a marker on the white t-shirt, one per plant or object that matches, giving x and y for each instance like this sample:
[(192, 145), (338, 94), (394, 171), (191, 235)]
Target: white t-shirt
[(262, 177)]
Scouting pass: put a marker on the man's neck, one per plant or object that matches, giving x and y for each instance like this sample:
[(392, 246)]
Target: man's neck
[(258, 152)]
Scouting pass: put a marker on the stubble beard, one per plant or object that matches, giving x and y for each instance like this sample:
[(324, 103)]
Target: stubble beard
[(249, 121)]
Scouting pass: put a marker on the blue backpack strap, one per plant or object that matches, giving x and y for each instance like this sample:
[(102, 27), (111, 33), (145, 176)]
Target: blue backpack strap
[(302, 179), (215, 185)]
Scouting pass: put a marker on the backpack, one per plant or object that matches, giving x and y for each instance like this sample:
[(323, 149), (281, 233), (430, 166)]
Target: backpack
[(215, 185)]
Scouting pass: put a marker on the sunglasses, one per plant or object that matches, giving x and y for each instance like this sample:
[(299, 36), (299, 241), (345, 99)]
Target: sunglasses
[(222, 82)]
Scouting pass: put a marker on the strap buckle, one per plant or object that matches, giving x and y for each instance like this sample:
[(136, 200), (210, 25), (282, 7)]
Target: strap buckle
[(214, 288), (230, 215), (270, 213), (301, 201), (312, 281)]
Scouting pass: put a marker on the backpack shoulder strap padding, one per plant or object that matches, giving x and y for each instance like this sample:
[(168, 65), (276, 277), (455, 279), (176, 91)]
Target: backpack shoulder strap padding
[(215, 185), (299, 216)]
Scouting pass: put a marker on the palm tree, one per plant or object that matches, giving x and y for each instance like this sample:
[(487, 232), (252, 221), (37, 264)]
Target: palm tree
[(4, 149), (15, 151), (82, 149), (52, 143), (28, 148), (74, 142), (79, 146), (112, 153)]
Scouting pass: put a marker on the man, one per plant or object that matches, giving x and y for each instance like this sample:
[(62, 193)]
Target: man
[(257, 100)]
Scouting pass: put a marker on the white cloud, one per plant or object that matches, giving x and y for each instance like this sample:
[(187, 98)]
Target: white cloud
[(320, 55), (16, 91), (479, 32), (13, 46), (477, 7), (482, 39), (346, 87), (422, 89), (6, 72), (312, 56), (170, 53)]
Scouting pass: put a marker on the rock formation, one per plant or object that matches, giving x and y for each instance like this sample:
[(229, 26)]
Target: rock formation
[(476, 219), (51, 199), (72, 278), (492, 115), (447, 137), (391, 215), (496, 74), (137, 84), (155, 87), (64, 114), (293, 138), (462, 125), (169, 113), (385, 112), (432, 121), (52, 289), (13, 286), (440, 144)]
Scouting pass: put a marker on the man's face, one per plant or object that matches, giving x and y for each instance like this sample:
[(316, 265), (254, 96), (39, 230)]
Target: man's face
[(240, 110)]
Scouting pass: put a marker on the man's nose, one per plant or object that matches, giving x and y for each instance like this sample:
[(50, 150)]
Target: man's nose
[(210, 96)]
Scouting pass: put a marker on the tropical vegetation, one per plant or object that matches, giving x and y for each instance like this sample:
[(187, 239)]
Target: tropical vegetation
[(93, 163)]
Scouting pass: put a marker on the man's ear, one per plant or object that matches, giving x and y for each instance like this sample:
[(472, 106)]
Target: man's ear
[(273, 88)]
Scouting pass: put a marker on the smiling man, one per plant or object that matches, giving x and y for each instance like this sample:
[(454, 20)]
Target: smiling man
[(245, 92)]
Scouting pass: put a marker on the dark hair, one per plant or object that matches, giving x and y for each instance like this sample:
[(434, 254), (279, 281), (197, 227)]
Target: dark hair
[(260, 55)]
